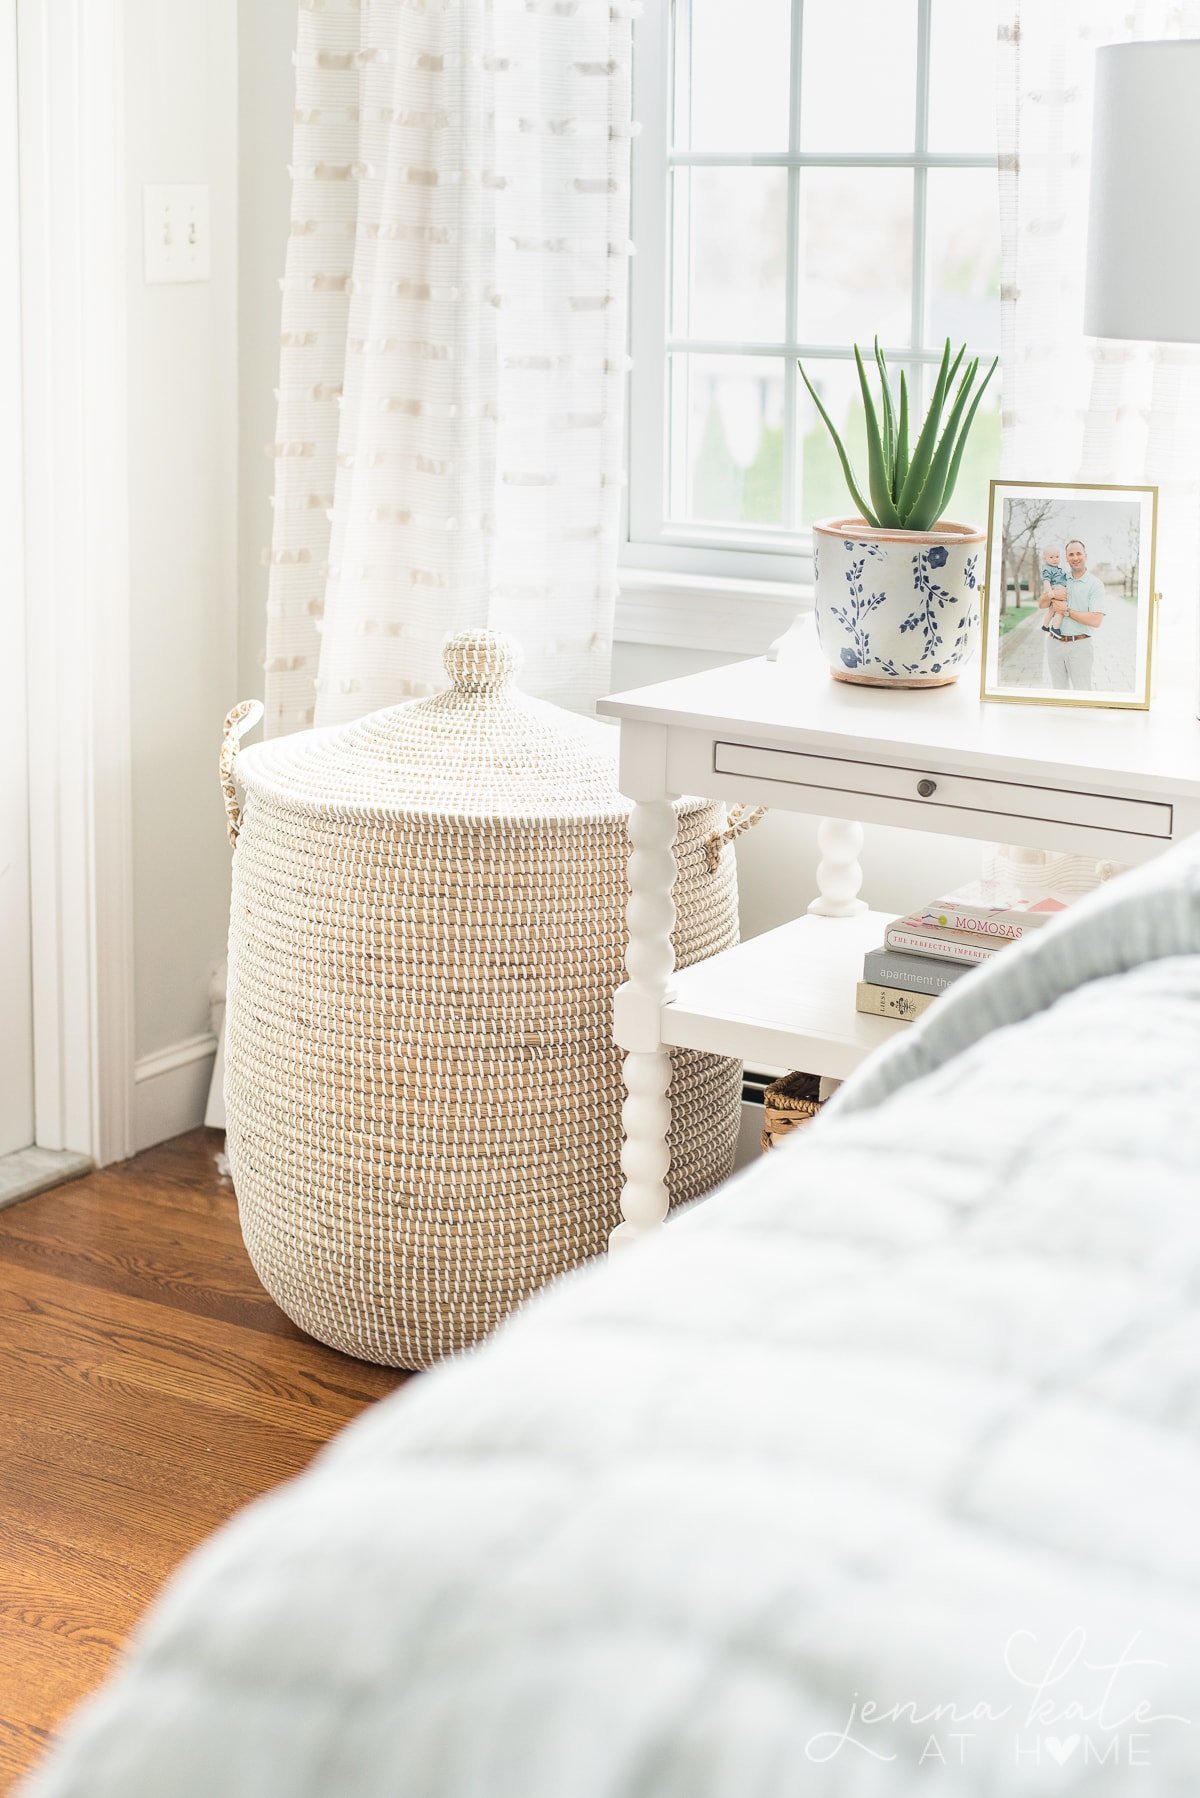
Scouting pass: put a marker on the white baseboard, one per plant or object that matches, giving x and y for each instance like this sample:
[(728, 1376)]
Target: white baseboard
[(170, 1090)]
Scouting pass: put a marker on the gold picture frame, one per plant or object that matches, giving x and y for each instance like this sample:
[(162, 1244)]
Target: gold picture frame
[(1103, 658)]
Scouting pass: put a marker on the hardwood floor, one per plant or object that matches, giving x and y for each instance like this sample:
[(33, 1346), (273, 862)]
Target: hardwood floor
[(148, 1388)]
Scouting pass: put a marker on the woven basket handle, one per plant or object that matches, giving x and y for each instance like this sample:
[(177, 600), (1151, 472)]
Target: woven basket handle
[(244, 716), (740, 819)]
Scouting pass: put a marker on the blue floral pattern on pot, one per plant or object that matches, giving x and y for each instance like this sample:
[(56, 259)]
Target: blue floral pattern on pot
[(896, 606)]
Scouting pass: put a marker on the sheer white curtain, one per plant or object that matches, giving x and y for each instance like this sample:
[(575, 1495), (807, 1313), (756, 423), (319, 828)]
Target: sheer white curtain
[(449, 446), (1077, 408)]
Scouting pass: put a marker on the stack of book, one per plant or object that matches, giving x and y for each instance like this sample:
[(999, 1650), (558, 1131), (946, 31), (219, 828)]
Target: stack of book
[(924, 953)]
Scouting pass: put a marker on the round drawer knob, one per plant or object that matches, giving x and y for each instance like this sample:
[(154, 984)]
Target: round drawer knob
[(927, 788)]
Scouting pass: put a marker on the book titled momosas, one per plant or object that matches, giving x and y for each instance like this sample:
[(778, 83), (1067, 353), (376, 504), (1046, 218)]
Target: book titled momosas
[(979, 911), (969, 926)]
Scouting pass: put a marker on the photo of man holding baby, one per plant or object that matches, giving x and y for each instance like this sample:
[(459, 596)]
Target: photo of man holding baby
[(1068, 601), (1077, 607)]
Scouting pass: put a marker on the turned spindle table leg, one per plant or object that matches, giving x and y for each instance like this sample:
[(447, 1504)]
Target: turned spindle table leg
[(650, 962), (839, 875)]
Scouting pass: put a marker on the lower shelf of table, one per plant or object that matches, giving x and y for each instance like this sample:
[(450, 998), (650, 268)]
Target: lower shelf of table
[(784, 999)]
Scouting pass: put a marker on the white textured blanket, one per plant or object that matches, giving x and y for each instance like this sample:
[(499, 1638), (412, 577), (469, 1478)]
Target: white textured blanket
[(877, 1474)]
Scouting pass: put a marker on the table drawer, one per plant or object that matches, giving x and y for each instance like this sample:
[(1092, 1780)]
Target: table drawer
[(962, 792)]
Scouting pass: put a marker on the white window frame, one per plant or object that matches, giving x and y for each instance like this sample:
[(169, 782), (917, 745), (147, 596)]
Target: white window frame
[(672, 570)]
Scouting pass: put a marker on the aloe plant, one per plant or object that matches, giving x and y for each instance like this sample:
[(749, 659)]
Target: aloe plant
[(910, 488)]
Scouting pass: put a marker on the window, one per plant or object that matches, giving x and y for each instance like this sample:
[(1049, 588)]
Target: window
[(793, 194)]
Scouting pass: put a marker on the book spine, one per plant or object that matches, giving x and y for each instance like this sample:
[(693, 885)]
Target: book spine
[(891, 1002), (912, 973), (1000, 927), (929, 942)]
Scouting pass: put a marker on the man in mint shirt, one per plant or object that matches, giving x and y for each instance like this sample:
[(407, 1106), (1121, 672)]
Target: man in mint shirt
[(1074, 621)]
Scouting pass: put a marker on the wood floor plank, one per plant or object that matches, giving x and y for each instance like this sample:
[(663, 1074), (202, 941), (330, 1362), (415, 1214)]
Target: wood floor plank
[(207, 1211), (61, 1673), (196, 1443), (185, 1160), (148, 1388), (87, 1329), (121, 1266), (21, 1744), (79, 1602), (173, 1474)]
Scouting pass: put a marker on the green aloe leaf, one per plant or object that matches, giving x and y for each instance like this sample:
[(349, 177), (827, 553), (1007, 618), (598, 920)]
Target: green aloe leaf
[(881, 498), (838, 445), (928, 505), (922, 454), (900, 466), (910, 487), (889, 421)]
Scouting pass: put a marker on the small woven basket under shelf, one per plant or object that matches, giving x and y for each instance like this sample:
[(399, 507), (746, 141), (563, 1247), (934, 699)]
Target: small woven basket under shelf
[(787, 1105)]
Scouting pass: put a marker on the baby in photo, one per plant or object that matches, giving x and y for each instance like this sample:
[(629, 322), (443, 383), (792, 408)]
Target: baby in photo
[(1053, 575)]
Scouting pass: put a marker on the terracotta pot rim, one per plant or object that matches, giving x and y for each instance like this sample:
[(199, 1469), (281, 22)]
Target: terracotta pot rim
[(946, 532)]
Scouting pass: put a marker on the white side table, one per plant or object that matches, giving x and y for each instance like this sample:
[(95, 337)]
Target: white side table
[(1117, 785)]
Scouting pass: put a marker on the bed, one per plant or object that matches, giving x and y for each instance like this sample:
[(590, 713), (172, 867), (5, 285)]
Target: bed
[(876, 1472)]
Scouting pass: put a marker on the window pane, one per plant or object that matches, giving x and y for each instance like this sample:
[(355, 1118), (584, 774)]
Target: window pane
[(823, 490), (858, 74), (727, 438), (731, 431), (731, 246), (855, 256), (732, 74), (962, 77), (962, 214)]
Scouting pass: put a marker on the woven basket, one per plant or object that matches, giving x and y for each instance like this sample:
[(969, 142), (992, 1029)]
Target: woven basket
[(787, 1105), (427, 929)]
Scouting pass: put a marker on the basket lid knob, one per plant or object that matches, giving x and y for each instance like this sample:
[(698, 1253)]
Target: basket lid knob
[(481, 661)]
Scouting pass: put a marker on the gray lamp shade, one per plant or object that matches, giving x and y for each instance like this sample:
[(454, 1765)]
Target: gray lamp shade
[(1143, 261)]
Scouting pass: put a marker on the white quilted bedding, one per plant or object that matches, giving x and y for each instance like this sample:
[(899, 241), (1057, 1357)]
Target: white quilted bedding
[(877, 1474)]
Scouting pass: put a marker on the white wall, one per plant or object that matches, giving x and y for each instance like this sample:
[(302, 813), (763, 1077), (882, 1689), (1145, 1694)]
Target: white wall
[(209, 94), (181, 93)]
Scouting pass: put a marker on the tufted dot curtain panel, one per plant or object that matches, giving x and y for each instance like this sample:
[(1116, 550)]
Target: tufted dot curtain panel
[(1080, 408), (449, 443)]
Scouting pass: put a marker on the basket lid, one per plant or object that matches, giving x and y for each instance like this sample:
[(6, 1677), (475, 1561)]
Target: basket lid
[(480, 748)]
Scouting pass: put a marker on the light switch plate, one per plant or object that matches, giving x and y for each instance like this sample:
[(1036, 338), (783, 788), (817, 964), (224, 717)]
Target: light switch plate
[(177, 238)]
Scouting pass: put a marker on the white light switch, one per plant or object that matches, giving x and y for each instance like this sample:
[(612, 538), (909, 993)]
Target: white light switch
[(177, 234)]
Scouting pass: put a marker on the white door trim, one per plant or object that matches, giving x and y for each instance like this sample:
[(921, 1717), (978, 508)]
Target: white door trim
[(76, 556), (16, 1014)]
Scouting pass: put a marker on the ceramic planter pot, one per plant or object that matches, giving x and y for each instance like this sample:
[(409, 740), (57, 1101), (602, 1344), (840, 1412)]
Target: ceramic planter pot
[(897, 608)]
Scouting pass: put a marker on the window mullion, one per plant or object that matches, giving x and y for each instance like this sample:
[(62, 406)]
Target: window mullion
[(646, 500), (679, 52), (829, 159), (825, 352), (920, 196), (791, 444)]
